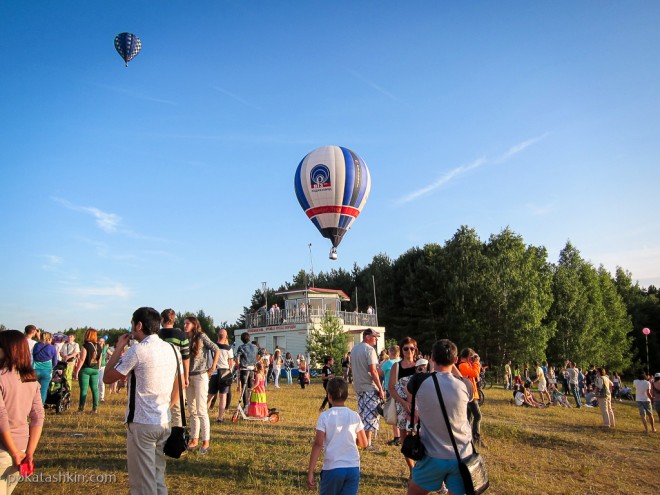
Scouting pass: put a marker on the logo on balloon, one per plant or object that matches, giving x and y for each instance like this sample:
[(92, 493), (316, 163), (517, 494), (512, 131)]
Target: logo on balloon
[(320, 177)]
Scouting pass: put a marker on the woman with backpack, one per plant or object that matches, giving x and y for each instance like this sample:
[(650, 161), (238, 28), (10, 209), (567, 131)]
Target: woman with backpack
[(87, 370)]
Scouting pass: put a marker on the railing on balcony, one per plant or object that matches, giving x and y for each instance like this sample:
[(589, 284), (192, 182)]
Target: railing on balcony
[(274, 318)]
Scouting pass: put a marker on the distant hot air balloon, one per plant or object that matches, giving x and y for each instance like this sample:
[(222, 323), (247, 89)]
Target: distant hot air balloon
[(332, 184), (127, 45)]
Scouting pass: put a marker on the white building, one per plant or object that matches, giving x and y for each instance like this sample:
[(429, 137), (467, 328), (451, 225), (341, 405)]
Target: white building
[(288, 328)]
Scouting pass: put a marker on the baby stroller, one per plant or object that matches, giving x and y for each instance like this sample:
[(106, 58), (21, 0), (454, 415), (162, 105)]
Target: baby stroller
[(58, 396)]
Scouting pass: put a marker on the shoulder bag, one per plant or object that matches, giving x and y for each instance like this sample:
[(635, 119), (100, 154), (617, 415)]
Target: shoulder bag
[(412, 446), (389, 408), (473, 468), (177, 443)]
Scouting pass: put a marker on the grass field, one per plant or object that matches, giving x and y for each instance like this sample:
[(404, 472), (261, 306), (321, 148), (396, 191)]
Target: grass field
[(550, 451)]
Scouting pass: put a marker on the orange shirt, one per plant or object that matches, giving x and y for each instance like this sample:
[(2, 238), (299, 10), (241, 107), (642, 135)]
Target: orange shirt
[(471, 371)]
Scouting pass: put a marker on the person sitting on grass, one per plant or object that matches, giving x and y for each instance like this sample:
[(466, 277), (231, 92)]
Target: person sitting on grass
[(558, 399), (590, 397), (525, 398), (339, 432), (519, 396)]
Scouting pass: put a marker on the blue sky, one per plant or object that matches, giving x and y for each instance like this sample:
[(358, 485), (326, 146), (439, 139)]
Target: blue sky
[(170, 183)]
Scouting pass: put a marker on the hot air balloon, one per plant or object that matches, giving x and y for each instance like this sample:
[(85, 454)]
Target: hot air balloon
[(332, 185), (127, 45)]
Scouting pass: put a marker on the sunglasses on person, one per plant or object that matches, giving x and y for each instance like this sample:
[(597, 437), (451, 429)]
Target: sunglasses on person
[(408, 348)]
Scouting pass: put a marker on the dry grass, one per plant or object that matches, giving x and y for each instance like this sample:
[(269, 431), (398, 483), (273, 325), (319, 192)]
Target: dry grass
[(553, 451)]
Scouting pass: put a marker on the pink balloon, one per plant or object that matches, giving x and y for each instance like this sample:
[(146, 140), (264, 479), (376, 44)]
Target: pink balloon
[(646, 331)]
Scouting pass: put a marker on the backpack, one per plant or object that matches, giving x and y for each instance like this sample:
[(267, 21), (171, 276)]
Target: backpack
[(94, 361), (601, 387)]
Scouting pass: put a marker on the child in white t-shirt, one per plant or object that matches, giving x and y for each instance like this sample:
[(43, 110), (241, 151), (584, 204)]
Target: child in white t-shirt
[(339, 433)]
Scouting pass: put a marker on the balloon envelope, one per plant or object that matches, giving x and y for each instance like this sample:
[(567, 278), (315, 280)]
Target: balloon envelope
[(332, 185), (127, 45)]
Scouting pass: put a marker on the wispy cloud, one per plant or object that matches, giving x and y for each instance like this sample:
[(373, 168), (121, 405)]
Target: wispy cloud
[(540, 210), (52, 262), (135, 94), (235, 97), (107, 222), (373, 85), (463, 169), (111, 290), (448, 177), (518, 148)]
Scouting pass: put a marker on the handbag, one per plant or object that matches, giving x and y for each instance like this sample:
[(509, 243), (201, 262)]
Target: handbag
[(389, 411), (472, 468), (389, 407), (177, 443), (412, 446)]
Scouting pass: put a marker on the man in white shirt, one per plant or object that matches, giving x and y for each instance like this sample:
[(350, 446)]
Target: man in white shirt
[(31, 333), (644, 398), (153, 387), (69, 353)]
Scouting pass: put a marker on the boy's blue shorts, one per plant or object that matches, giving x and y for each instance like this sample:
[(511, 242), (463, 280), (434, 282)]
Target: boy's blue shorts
[(340, 481)]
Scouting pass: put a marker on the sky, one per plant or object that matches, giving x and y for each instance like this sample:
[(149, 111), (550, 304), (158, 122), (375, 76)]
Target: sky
[(170, 183)]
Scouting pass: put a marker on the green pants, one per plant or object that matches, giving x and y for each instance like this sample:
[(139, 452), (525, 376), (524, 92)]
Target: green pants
[(88, 378)]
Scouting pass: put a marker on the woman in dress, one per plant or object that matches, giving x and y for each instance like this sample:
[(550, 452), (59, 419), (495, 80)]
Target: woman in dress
[(399, 376), (552, 377), (21, 399), (87, 370), (45, 358), (289, 364), (198, 386), (277, 367), (258, 407)]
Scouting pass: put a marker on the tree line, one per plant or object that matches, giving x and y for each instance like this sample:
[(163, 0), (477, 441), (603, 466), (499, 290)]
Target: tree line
[(503, 298)]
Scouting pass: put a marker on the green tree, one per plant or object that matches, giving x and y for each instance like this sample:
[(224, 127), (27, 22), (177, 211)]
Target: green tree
[(461, 283), (517, 296), (328, 340), (577, 310), (413, 289), (378, 273), (205, 321), (616, 325), (643, 307)]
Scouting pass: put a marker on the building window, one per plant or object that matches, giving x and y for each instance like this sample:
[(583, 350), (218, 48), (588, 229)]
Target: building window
[(279, 341)]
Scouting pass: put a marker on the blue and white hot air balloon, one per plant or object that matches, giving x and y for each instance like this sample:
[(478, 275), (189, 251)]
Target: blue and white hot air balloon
[(332, 185), (128, 46)]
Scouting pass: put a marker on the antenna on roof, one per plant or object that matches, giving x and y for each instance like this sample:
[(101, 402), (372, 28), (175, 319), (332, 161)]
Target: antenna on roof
[(311, 262)]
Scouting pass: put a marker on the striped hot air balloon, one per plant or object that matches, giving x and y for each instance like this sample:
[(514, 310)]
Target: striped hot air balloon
[(332, 185)]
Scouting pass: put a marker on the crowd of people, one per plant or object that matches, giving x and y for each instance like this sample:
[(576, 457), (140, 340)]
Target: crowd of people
[(154, 355), (595, 385)]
